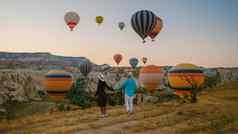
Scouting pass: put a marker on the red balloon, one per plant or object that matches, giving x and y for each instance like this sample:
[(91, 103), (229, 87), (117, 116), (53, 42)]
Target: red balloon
[(117, 58), (157, 29), (71, 19)]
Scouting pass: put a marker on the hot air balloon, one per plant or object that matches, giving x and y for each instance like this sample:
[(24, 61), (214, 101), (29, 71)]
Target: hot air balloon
[(185, 77), (85, 68), (57, 83), (99, 20), (117, 58), (71, 19), (211, 77), (133, 62), (157, 29), (144, 60), (143, 22), (121, 25), (150, 77)]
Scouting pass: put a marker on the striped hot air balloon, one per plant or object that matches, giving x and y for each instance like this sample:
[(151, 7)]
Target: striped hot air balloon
[(57, 83), (151, 77), (143, 22), (85, 68), (185, 77), (71, 19)]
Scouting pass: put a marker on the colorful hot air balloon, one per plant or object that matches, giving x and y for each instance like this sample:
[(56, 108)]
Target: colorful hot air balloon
[(185, 77), (71, 19), (143, 22), (117, 58), (121, 25), (150, 77), (99, 20), (57, 83), (133, 62), (144, 60), (157, 29), (85, 68)]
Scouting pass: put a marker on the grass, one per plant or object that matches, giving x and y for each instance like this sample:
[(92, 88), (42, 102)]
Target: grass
[(215, 112)]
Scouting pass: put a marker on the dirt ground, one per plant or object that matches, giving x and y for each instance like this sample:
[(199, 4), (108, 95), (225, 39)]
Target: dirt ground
[(216, 112)]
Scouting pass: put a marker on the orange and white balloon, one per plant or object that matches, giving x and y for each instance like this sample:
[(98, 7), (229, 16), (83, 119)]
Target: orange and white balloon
[(144, 60), (150, 77)]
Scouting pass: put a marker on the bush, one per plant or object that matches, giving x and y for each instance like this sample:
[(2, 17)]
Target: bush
[(79, 96)]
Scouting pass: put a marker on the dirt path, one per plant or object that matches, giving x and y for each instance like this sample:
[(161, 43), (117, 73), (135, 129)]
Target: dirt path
[(216, 112)]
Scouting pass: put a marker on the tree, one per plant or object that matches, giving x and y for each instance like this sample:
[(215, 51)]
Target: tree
[(78, 94)]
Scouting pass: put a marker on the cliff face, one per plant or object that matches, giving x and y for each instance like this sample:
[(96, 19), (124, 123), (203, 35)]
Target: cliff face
[(37, 60), (17, 86)]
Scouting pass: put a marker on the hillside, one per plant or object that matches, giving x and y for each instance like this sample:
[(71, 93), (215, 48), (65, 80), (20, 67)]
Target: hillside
[(215, 112), (37, 60)]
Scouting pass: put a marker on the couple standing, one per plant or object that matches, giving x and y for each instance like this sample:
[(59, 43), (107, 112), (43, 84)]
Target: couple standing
[(129, 87)]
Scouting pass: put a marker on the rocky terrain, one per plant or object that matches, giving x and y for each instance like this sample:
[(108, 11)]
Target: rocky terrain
[(215, 113), (38, 61)]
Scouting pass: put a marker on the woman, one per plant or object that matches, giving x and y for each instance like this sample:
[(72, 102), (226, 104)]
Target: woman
[(129, 86), (101, 94)]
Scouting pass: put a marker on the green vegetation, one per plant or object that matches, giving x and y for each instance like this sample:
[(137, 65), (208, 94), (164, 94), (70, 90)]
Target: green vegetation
[(78, 96)]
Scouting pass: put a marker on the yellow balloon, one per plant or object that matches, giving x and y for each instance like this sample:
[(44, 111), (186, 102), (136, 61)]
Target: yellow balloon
[(185, 77), (99, 20)]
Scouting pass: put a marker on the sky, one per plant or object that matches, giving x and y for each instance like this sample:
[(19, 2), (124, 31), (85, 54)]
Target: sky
[(202, 32)]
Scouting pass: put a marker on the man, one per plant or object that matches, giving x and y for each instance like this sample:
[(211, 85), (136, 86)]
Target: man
[(129, 86)]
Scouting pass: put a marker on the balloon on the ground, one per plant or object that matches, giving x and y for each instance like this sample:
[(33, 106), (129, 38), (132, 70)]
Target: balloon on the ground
[(133, 62), (185, 77), (85, 68), (71, 19), (144, 60), (57, 83), (99, 20), (212, 77), (150, 77), (117, 58), (157, 29), (143, 22), (121, 25)]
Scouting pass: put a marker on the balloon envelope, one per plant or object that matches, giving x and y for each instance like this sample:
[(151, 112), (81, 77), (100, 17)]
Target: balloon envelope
[(185, 77), (157, 29), (117, 58), (144, 60), (133, 62), (121, 25), (71, 19), (57, 83), (99, 20), (85, 68), (143, 22), (150, 77)]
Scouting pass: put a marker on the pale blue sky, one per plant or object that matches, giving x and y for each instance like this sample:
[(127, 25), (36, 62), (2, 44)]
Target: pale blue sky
[(203, 32)]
